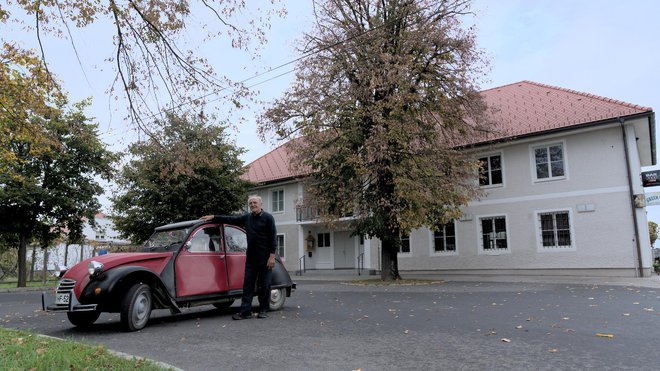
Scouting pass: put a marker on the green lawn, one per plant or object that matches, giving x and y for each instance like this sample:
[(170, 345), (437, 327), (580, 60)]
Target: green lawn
[(21, 350), (12, 284)]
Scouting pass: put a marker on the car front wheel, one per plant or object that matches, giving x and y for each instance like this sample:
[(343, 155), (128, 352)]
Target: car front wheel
[(136, 307), (83, 319), (277, 297)]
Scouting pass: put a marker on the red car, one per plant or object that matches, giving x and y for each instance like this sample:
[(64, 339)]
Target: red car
[(181, 265)]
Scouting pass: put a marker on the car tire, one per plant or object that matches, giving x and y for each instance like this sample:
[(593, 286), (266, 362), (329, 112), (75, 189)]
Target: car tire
[(136, 307), (277, 298), (83, 319), (223, 304)]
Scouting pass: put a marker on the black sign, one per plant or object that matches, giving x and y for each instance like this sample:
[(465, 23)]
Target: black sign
[(651, 178)]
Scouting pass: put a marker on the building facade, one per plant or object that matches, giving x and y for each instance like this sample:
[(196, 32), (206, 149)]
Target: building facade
[(562, 196)]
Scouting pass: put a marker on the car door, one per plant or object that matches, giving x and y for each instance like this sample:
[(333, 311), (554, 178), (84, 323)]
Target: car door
[(200, 267), (235, 245)]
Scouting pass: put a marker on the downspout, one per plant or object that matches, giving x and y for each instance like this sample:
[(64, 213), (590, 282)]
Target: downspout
[(640, 269)]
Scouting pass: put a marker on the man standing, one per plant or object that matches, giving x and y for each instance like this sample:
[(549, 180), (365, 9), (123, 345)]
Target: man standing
[(260, 257)]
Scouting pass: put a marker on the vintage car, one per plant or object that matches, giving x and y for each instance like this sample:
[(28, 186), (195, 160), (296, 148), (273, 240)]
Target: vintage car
[(181, 265)]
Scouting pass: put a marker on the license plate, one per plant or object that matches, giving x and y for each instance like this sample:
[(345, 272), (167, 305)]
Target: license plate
[(62, 299)]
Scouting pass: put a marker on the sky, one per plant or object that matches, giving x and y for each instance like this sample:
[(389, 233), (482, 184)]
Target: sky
[(609, 48)]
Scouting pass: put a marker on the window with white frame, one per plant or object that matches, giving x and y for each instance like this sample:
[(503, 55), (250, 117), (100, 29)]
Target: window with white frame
[(277, 201), (405, 244), (280, 245), (444, 239), (490, 170), (323, 239), (555, 229), (549, 162), (493, 233)]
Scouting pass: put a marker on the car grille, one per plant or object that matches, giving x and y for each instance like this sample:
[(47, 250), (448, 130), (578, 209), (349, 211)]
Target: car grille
[(65, 286)]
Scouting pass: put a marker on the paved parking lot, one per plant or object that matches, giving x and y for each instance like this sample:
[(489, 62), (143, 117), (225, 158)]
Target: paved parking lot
[(334, 324)]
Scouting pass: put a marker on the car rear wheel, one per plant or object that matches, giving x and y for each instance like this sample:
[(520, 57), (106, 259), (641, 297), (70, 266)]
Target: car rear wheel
[(277, 297), (136, 307), (83, 319)]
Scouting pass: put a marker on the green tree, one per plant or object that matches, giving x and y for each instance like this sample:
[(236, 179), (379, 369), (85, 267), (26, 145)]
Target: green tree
[(186, 170), (653, 232), (383, 107), (49, 168)]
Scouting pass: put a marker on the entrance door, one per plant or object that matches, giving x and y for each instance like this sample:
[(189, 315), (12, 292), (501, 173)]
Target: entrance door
[(344, 250)]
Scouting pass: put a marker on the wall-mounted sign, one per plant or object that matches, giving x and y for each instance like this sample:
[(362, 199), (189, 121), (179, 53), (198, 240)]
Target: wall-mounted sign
[(652, 199), (651, 178)]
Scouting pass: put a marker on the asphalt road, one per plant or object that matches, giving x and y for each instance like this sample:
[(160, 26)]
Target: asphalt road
[(441, 326)]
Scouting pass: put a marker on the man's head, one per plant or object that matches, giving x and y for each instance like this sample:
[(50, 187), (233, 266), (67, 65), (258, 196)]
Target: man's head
[(254, 202)]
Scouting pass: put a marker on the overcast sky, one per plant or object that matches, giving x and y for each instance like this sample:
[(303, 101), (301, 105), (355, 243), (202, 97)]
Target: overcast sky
[(609, 48)]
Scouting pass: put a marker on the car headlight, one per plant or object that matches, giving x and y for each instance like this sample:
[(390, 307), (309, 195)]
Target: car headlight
[(94, 268)]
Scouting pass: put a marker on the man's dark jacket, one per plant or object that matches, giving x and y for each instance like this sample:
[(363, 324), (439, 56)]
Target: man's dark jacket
[(260, 230)]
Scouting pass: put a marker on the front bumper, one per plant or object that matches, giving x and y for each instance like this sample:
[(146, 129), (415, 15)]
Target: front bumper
[(64, 300)]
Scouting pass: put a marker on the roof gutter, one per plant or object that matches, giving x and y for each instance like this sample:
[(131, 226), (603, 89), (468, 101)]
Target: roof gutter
[(639, 268)]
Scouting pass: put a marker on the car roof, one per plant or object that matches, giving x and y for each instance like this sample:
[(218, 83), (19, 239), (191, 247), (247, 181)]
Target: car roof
[(179, 225)]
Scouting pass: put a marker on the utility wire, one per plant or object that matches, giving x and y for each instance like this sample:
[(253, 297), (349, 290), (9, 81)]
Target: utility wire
[(304, 56)]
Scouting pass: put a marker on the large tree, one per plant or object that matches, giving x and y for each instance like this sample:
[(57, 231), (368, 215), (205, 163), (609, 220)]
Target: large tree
[(50, 157), (382, 108), (156, 48), (187, 169)]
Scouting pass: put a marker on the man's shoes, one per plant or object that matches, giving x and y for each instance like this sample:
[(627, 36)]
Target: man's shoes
[(262, 315), (239, 316)]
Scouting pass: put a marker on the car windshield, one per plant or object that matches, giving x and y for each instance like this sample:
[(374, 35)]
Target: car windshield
[(166, 240)]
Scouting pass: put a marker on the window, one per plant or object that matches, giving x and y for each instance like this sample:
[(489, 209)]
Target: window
[(235, 240), (549, 162), (490, 170), (493, 233), (277, 199), (323, 239), (204, 241), (405, 244), (280, 245), (445, 238), (555, 230)]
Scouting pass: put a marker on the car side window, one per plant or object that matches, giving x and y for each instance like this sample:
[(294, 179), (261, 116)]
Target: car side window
[(205, 240), (235, 239)]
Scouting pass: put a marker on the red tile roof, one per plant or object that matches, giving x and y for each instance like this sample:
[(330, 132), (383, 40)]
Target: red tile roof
[(528, 107), (523, 108)]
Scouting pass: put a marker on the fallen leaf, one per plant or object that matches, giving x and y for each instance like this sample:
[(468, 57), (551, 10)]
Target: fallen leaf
[(506, 340), (610, 336), (518, 327), (553, 350)]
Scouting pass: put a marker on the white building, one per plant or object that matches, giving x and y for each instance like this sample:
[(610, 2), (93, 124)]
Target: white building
[(563, 196), (102, 238)]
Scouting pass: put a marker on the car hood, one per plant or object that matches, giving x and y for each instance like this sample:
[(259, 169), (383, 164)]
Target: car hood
[(109, 261)]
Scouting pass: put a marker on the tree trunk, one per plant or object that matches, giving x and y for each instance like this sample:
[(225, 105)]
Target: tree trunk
[(34, 260), (390, 269), (66, 254), (82, 249), (22, 261), (44, 272)]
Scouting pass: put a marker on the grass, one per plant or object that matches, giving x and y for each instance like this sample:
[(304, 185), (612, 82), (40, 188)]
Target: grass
[(51, 282), (20, 350)]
